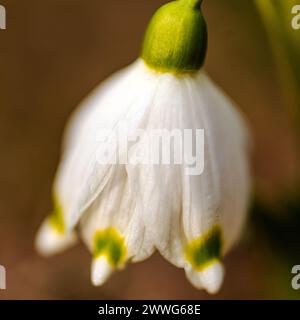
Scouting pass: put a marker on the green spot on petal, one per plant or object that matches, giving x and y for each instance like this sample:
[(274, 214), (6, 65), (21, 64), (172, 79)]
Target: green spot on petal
[(110, 243), (204, 251), (56, 218)]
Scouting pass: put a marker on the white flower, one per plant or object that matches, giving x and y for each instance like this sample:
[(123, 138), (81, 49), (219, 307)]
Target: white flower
[(126, 211)]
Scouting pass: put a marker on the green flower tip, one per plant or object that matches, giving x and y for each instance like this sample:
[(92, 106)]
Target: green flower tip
[(176, 38), (204, 251), (110, 243), (56, 218)]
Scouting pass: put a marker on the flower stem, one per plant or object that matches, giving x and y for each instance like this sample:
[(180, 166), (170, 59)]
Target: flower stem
[(193, 3)]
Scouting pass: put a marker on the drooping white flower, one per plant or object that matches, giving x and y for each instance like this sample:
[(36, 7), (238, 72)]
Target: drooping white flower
[(126, 211)]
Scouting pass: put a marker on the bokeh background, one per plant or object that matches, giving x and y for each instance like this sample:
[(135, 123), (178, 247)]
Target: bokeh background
[(56, 51)]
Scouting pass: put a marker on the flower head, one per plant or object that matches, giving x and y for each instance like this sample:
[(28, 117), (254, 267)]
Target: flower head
[(127, 209)]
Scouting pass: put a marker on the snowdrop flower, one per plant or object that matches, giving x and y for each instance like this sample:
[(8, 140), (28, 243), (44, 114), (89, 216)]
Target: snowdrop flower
[(125, 212)]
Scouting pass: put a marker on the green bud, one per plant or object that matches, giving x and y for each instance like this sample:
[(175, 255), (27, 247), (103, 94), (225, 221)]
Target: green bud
[(176, 38)]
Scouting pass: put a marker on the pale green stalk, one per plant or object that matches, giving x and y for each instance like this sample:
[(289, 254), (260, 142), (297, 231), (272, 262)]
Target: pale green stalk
[(285, 41)]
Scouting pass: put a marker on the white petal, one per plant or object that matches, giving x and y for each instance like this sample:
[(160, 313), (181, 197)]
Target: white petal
[(156, 205), (158, 186), (210, 279), (225, 183), (178, 208), (116, 208), (80, 178), (127, 106), (101, 270), (49, 241), (219, 197)]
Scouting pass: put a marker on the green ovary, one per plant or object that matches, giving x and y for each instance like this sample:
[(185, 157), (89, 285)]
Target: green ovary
[(204, 251), (110, 243), (176, 38)]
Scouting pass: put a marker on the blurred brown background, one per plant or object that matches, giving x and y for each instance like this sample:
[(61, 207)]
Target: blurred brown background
[(51, 55)]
